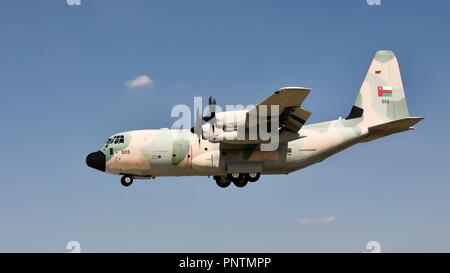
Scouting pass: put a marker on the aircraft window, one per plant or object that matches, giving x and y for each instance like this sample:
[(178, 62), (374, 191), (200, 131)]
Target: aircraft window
[(118, 139)]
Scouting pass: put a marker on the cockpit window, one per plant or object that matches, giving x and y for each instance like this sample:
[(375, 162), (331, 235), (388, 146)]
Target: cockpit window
[(116, 140)]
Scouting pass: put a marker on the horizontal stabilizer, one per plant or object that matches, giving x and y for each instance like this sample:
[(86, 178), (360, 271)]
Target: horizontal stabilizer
[(392, 127)]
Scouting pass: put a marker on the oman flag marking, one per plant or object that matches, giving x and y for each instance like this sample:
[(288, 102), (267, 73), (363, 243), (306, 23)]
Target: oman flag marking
[(384, 91)]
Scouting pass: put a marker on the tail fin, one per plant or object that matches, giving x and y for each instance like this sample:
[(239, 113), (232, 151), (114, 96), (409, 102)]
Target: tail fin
[(381, 98)]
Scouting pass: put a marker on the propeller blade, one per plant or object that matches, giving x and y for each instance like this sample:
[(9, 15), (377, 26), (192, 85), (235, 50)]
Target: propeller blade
[(197, 129), (211, 109), (212, 100)]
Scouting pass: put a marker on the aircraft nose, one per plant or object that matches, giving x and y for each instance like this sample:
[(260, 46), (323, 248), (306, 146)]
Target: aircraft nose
[(96, 160)]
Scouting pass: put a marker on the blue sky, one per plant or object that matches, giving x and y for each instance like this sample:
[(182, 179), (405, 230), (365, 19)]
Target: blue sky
[(63, 74)]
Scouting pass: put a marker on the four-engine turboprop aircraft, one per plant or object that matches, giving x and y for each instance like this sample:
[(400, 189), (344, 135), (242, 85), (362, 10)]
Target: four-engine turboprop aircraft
[(379, 110)]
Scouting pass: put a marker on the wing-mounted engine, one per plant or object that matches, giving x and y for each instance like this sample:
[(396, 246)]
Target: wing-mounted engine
[(228, 127), (251, 126)]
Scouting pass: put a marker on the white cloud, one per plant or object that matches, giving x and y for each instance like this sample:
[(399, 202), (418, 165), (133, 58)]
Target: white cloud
[(140, 81), (319, 220)]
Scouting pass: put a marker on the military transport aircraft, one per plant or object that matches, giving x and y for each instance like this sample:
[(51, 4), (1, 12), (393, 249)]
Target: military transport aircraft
[(379, 110)]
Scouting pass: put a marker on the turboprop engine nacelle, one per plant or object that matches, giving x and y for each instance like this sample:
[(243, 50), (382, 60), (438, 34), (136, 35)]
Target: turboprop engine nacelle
[(230, 121), (233, 128), (225, 126)]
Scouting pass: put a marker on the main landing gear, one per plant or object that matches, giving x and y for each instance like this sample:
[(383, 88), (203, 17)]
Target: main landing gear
[(126, 180), (222, 181), (239, 179)]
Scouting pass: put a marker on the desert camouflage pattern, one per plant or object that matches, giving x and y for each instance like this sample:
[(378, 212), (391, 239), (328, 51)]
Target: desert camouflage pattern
[(380, 109)]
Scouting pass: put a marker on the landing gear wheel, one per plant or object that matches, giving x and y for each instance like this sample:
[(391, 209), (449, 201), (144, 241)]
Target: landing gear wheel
[(241, 181), (253, 177), (126, 180), (235, 176), (222, 181)]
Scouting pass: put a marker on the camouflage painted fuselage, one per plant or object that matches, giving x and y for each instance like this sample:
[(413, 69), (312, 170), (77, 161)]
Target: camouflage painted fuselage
[(152, 153)]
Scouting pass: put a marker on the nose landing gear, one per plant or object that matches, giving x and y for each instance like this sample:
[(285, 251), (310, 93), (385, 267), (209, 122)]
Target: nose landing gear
[(126, 180)]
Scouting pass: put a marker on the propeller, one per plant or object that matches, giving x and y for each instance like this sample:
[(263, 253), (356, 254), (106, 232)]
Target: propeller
[(197, 128), (211, 109)]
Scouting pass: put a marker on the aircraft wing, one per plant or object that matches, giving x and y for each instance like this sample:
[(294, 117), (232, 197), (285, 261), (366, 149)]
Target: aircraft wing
[(292, 116)]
